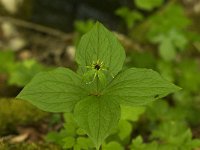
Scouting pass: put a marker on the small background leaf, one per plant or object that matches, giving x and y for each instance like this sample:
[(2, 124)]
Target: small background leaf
[(148, 4)]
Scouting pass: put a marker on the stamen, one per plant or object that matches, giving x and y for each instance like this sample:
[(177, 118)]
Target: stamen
[(97, 67)]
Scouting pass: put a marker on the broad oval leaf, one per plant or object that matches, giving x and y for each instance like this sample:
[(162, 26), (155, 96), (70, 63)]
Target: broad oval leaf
[(99, 44), (138, 86), (97, 115), (54, 91)]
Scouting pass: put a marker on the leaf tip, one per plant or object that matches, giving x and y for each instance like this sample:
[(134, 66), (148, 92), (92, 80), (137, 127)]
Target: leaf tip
[(97, 144), (18, 96), (98, 23), (177, 88)]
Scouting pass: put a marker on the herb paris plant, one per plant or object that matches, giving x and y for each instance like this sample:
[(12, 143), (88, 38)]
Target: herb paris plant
[(94, 94)]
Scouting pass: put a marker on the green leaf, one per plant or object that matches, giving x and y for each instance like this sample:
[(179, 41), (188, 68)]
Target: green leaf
[(195, 143), (176, 134), (166, 69), (171, 18), (68, 142), (55, 137), (54, 91), (83, 26), (97, 116), (85, 143), (179, 39), (138, 144), (130, 17), (167, 50), (80, 132), (24, 72), (139, 86), (7, 64), (113, 146), (70, 129), (77, 147), (189, 75), (148, 4), (125, 129), (131, 113), (170, 132), (169, 43), (70, 125), (101, 45)]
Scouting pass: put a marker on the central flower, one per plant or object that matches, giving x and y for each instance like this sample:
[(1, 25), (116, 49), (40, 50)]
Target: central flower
[(98, 65)]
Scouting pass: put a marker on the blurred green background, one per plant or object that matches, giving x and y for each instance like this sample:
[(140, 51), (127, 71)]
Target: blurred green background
[(39, 35)]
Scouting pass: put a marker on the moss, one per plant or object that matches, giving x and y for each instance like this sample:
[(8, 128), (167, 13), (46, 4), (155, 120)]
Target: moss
[(17, 112), (28, 146)]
